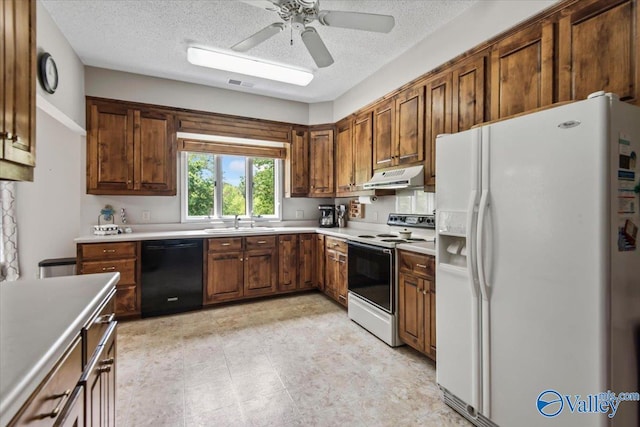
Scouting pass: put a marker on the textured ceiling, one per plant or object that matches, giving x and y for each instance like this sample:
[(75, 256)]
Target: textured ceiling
[(150, 37)]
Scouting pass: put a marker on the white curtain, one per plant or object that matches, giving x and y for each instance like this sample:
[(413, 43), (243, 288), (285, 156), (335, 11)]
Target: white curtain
[(8, 232)]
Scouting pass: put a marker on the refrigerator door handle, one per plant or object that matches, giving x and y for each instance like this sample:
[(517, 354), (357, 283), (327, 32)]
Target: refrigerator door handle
[(484, 202)]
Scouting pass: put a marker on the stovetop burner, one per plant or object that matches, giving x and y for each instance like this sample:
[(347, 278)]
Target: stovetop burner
[(367, 236), (393, 240), (386, 235)]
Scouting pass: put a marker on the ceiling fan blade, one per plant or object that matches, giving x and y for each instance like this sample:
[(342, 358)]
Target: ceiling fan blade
[(357, 20), (258, 37), (316, 47), (263, 4)]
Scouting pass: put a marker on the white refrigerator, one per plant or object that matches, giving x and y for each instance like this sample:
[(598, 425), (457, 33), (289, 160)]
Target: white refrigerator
[(538, 274)]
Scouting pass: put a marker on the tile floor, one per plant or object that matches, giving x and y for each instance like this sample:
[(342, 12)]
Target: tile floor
[(289, 361)]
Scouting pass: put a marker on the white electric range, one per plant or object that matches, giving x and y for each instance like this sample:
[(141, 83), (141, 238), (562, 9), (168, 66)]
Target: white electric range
[(372, 278)]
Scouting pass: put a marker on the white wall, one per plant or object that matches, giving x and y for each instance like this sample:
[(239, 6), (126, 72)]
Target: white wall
[(69, 97), (152, 90), (484, 20), (320, 113), (48, 208)]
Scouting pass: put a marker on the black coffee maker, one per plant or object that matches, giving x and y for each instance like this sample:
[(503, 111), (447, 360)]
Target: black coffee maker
[(327, 215)]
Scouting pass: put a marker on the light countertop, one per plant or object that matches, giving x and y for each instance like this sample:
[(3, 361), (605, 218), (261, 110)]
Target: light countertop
[(39, 319), (426, 248)]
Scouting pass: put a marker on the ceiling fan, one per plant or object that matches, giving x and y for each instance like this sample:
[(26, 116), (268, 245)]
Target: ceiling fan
[(296, 14)]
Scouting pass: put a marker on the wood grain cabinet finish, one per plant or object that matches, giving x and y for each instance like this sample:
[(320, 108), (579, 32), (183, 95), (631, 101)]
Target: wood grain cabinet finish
[(297, 164), (362, 149), (344, 157), (409, 129), (225, 276), (288, 262), (522, 71), (306, 261), (122, 257), (598, 50), (336, 269), (321, 173), (18, 89), (383, 134), (319, 264), (438, 120), (416, 305), (100, 384), (130, 151), (260, 266)]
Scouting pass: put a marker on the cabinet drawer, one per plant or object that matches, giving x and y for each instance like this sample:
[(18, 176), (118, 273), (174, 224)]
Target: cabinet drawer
[(101, 251), (421, 265), (336, 244), (47, 402), (93, 332), (126, 268), (260, 242), (225, 244)]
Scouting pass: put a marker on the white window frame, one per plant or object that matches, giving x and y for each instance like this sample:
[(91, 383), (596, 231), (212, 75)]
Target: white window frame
[(217, 203)]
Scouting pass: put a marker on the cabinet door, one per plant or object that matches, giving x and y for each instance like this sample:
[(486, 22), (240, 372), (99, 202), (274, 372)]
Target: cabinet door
[(342, 276), (109, 379), (321, 175), (100, 385), (432, 314), (154, 153), (522, 71), (260, 272), (411, 311), (410, 126), (438, 113), (73, 413), (109, 148), (362, 148), (297, 164), (384, 148), (288, 262), (598, 50), (344, 158), (331, 273), (18, 89), (225, 278), (468, 93), (306, 252), (319, 264)]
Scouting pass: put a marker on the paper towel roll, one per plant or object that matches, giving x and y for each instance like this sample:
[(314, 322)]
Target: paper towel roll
[(367, 200)]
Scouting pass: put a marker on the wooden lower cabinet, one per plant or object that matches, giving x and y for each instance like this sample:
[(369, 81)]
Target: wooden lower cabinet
[(319, 262), (122, 257), (306, 261), (100, 385), (416, 306), (288, 262), (336, 269), (225, 277), (260, 272)]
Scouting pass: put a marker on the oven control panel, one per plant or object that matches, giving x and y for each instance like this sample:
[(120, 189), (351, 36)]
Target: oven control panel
[(412, 220)]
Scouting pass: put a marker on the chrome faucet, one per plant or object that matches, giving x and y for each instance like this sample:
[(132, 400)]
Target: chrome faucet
[(253, 218), (236, 222)]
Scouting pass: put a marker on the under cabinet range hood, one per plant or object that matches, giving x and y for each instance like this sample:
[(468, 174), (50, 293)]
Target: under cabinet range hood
[(397, 178)]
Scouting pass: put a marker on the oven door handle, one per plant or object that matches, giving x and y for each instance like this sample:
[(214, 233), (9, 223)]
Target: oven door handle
[(370, 247)]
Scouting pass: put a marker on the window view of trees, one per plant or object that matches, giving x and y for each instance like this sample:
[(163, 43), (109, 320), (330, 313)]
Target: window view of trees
[(231, 171)]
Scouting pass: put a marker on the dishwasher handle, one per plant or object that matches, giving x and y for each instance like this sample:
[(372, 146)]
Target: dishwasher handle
[(171, 246)]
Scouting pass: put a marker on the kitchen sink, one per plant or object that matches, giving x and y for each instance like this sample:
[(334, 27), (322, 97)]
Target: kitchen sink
[(237, 230)]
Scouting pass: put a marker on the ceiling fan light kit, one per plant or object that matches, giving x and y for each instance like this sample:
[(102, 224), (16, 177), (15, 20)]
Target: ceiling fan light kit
[(296, 14), (248, 66)]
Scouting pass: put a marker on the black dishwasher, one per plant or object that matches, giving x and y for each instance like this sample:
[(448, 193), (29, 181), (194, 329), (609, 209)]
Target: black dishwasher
[(171, 276)]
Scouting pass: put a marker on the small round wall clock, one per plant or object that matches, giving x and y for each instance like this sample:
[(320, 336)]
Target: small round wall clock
[(48, 73)]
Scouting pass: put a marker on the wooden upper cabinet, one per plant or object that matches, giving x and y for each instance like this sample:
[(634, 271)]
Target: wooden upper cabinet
[(438, 120), (522, 71), (344, 157), (409, 129), (468, 106), (598, 50), (321, 176), (297, 164), (362, 148), (18, 87), (383, 134), (130, 151)]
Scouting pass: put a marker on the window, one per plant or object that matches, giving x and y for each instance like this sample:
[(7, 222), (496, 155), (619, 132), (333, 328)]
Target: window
[(221, 185)]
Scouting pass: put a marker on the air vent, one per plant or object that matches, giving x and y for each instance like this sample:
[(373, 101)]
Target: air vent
[(397, 172), (239, 83)]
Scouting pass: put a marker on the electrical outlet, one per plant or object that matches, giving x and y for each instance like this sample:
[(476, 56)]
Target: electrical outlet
[(146, 215), (299, 214)]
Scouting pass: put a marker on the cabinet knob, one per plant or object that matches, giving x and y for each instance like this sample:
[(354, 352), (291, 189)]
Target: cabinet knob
[(424, 292), (241, 259), (129, 181)]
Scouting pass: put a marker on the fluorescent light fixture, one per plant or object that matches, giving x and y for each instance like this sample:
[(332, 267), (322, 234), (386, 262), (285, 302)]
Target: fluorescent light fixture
[(248, 66)]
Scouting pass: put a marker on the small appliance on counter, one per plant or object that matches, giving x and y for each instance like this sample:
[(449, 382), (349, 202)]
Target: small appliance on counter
[(341, 214), (327, 216)]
